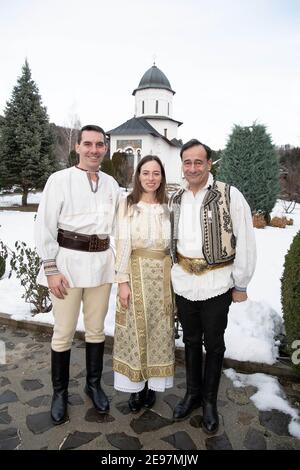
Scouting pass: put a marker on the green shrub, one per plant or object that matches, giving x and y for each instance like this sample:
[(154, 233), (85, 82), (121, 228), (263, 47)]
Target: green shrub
[(25, 262), (290, 296), (2, 266), (3, 257)]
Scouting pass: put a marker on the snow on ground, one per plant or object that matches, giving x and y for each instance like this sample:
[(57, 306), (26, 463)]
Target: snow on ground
[(252, 325), (269, 396), (7, 200)]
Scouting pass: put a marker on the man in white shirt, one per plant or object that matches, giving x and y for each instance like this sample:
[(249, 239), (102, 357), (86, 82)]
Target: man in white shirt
[(73, 228), (214, 255)]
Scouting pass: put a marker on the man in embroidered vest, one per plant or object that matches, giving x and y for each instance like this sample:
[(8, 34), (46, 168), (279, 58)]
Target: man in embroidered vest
[(213, 251), (73, 225)]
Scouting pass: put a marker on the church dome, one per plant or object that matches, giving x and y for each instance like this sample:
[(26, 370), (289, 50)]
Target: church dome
[(154, 78)]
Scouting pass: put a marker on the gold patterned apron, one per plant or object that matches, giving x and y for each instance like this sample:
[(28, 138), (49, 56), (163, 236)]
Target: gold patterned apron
[(144, 333)]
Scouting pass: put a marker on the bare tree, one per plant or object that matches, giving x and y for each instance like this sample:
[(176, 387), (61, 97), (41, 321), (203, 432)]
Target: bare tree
[(72, 125), (290, 175)]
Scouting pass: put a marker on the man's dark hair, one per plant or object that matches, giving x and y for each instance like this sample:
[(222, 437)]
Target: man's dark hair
[(91, 127), (193, 143)]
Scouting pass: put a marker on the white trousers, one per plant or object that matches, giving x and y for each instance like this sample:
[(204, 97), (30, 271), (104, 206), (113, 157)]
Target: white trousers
[(66, 312)]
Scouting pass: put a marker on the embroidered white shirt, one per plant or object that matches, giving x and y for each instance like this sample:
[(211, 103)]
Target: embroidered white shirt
[(215, 282), (68, 203)]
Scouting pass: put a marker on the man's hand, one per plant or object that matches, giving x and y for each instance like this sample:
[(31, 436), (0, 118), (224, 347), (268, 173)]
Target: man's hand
[(238, 296), (124, 294), (58, 285)]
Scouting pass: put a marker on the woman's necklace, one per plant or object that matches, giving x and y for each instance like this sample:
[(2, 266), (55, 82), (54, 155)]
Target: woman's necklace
[(89, 177)]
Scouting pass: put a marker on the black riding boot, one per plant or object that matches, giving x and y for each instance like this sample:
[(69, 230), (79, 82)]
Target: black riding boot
[(145, 397), (212, 375), (60, 364), (94, 367), (148, 396), (135, 401), (193, 396)]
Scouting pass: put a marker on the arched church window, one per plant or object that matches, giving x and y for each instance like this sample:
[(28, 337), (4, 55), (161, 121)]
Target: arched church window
[(139, 155), (143, 107), (156, 107)]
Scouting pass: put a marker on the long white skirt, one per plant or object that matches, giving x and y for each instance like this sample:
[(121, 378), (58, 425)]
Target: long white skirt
[(158, 384)]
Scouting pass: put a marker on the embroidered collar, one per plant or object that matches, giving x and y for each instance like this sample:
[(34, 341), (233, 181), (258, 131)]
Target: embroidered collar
[(94, 188)]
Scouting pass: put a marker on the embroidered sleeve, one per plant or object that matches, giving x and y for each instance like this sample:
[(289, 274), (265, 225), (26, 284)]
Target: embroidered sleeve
[(46, 224), (50, 267), (123, 243), (245, 258)]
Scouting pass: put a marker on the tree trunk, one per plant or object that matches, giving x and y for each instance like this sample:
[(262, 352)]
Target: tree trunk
[(24, 196)]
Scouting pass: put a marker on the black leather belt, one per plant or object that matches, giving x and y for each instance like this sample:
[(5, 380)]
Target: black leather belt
[(81, 242)]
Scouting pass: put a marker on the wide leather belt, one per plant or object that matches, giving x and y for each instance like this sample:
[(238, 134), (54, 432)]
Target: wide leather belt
[(198, 266), (81, 242)]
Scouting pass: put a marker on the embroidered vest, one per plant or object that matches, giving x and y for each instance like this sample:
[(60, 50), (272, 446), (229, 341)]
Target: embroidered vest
[(217, 235)]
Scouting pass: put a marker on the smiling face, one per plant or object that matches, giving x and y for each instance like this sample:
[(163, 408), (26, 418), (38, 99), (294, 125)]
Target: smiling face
[(196, 167), (91, 150), (150, 176)]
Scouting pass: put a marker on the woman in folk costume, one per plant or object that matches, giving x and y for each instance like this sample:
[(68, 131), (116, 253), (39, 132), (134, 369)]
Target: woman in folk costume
[(143, 357)]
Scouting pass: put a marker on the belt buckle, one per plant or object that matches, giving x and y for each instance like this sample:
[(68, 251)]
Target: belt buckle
[(93, 243), (199, 266)]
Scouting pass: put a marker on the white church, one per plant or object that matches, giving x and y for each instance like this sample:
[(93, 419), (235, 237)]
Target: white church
[(152, 130)]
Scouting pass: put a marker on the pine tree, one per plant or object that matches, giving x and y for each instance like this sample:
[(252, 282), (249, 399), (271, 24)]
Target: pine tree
[(26, 141), (250, 163)]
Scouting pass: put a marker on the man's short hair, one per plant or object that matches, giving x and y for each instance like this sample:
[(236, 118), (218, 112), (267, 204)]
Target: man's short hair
[(91, 127), (193, 143)]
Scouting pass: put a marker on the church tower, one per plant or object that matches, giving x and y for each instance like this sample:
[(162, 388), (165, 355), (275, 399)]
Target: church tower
[(154, 102), (152, 130)]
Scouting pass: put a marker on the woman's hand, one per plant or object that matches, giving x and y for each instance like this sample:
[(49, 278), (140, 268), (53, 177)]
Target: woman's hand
[(124, 294)]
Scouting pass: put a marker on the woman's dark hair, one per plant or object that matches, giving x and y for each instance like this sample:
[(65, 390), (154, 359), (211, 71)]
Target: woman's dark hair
[(137, 191)]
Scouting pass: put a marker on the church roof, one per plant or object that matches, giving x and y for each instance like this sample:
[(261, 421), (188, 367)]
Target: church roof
[(139, 126), (162, 118), (154, 78)]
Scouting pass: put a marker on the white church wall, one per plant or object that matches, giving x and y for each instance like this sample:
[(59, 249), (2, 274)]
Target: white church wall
[(160, 125), (170, 156), (150, 96)]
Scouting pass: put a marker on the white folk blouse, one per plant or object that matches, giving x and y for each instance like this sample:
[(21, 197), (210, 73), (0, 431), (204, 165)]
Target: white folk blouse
[(142, 226)]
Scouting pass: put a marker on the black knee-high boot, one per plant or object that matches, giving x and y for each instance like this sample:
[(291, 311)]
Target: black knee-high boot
[(193, 396), (212, 376), (146, 397), (94, 367), (60, 364)]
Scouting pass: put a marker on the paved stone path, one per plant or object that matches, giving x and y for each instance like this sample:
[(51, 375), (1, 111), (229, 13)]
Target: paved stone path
[(25, 396)]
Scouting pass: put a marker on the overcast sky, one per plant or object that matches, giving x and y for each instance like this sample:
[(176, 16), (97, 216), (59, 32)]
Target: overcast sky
[(229, 61)]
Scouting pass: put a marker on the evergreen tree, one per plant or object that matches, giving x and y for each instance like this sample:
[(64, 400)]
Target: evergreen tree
[(250, 163), (123, 164), (107, 167), (26, 140), (73, 158)]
